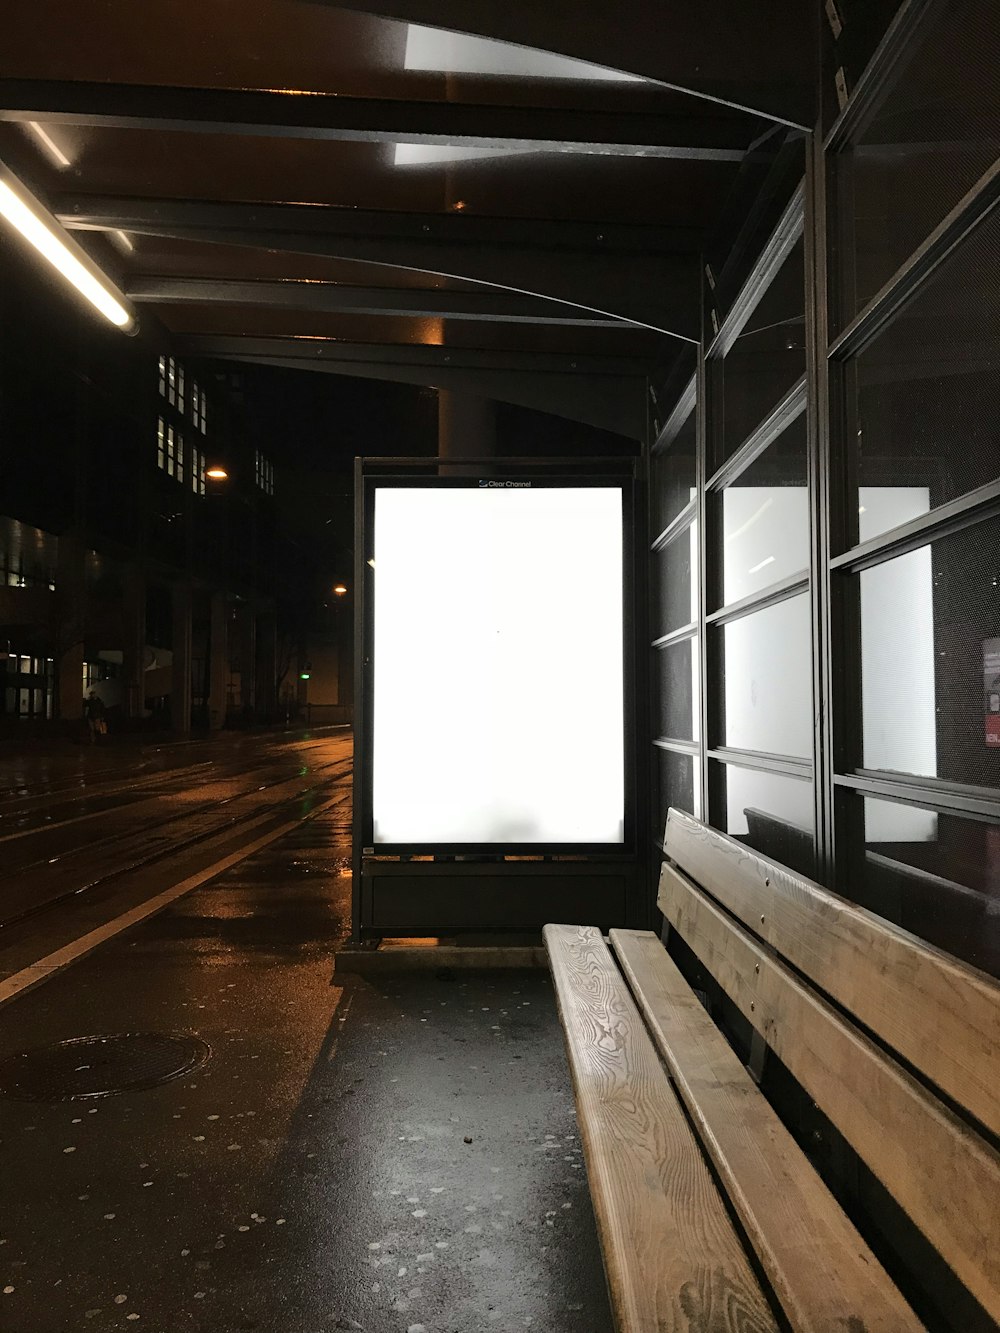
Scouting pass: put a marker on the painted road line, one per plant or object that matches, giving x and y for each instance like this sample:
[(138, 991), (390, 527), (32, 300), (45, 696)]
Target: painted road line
[(32, 976)]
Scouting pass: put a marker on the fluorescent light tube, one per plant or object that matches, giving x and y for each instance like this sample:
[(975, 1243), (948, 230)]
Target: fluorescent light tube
[(48, 143), (24, 212)]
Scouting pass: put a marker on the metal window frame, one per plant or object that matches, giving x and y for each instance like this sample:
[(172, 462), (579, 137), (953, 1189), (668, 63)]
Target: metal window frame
[(786, 411), (763, 761), (685, 634), (678, 417), (678, 524), (937, 794), (677, 746), (781, 243), (782, 591), (966, 511)]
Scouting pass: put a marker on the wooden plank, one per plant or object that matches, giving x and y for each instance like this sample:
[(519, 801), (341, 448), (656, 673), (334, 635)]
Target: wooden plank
[(940, 1015), (940, 1172), (671, 1255), (822, 1272)]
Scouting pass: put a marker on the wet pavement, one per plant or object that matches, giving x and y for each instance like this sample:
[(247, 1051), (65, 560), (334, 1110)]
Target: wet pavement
[(395, 1156)]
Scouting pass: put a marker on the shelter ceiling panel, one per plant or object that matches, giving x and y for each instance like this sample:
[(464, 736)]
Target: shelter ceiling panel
[(760, 56), (554, 186), (756, 56), (312, 47)]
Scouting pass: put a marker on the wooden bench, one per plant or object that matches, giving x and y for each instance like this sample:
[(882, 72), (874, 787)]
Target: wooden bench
[(896, 1044)]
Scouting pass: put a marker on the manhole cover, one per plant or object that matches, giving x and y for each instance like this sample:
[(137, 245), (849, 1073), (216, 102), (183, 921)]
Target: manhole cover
[(100, 1066)]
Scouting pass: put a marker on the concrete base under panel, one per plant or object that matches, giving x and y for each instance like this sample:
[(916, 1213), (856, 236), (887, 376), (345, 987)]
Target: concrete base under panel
[(370, 957), (442, 898)]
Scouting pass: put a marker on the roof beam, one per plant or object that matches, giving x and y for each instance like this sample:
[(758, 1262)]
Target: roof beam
[(99, 211), (488, 305), (430, 356), (600, 270), (287, 115)]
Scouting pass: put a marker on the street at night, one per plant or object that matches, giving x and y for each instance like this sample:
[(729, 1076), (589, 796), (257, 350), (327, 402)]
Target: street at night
[(500, 666), (314, 1172)]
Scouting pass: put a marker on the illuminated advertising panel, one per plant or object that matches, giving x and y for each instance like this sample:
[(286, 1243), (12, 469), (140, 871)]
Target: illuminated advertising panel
[(497, 665)]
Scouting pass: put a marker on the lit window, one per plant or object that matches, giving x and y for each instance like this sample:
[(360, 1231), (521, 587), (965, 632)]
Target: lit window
[(180, 389), (161, 453), (203, 417), (171, 452), (263, 473), (197, 471), (180, 457), (171, 381), (163, 377)]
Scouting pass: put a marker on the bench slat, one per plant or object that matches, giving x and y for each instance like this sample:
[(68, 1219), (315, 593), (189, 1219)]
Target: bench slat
[(941, 1016), (672, 1257), (822, 1272), (943, 1175)]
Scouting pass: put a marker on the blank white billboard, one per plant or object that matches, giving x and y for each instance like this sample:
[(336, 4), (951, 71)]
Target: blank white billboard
[(498, 699)]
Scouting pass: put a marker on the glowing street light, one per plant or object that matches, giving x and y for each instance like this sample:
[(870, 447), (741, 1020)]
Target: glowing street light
[(216, 473), (340, 590)]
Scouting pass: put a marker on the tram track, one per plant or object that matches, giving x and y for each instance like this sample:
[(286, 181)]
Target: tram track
[(84, 778), (132, 808), (102, 794), (117, 871)]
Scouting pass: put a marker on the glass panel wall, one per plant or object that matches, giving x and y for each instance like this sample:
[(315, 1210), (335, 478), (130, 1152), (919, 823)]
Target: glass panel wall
[(677, 784), (676, 670), (766, 682), (935, 873), (675, 607), (765, 518), (827, 690), (766, 359), (771, 812), (921, 147), (672, 477), (923, 398), (758, 670), (930, 659), (675, 582), (914, 452)]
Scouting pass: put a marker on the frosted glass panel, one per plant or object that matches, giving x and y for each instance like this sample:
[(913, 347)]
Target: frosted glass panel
[(498, 666), (897, 656), (768, 682), (766, 534)]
